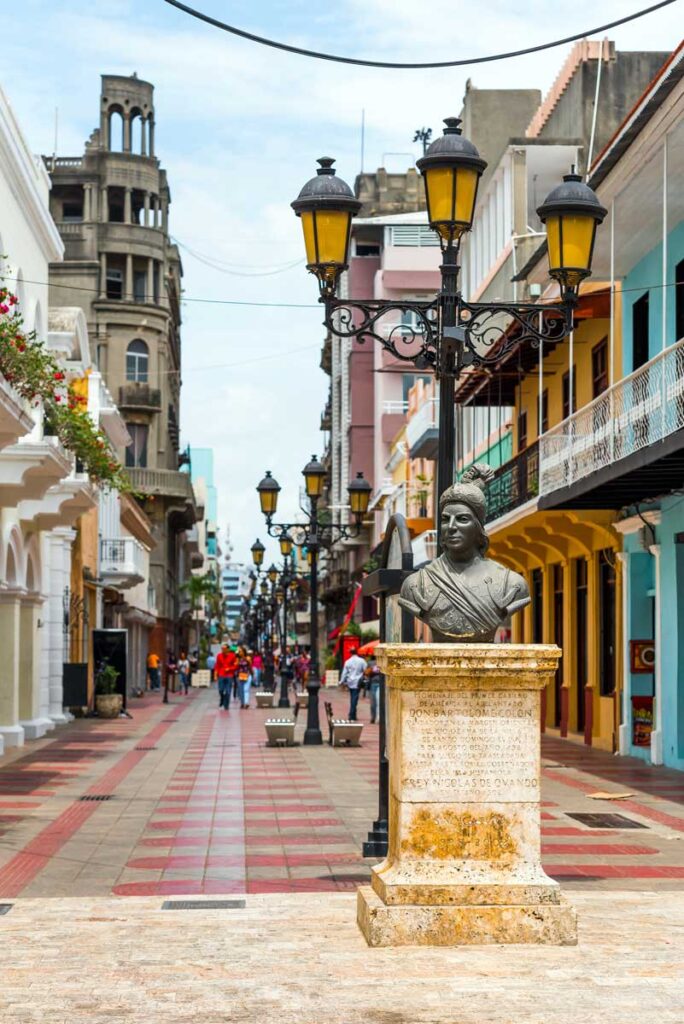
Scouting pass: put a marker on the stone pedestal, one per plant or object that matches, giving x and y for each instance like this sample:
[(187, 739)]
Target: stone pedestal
[(463, 865)]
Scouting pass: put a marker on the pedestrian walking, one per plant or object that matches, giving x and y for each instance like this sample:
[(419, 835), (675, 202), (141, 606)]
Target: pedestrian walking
[(373, 675), (171, 668), (257, 668), (184, 672), (154, 671), (211, 663), (244, 677), (352, 674), (225, 669)]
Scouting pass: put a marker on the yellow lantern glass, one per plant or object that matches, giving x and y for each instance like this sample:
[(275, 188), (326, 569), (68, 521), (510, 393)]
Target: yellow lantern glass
[(268, 490), (326, 237), (570, 241), (359, 492), (451, 193), (314, 477), (285, 542)]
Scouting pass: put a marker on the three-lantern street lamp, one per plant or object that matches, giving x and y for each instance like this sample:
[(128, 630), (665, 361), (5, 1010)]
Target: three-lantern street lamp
[(448, 333), (313, 534)]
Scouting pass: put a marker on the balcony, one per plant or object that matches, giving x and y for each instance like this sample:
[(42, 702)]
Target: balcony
[(514, 483), (140, 397), (163, 482), (15, 419), (626, 444), (422, 431), (122, 562)]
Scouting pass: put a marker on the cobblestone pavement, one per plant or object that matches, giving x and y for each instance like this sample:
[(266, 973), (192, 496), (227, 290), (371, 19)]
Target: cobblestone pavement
[(300, 959), (187, 799)]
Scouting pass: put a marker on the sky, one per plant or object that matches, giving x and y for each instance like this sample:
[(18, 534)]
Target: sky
[(238, 129)]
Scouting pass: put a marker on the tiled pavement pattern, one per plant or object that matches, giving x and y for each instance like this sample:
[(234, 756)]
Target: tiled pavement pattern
[(199, 805)]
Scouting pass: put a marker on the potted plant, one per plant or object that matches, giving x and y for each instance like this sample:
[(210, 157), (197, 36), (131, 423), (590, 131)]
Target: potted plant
[(108, 703), (420, 495)]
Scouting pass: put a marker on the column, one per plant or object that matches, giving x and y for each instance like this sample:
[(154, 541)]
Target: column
[(155, 208), (146, 209), (625, 726), (10, 607), (30, 657), (127, 133), (103, 275), (150, 123), (128, 207), (657, 734), (104, 205), (143, 136), (150, 280), (60, 574), (165, 216), (87, 202), (128, 282)]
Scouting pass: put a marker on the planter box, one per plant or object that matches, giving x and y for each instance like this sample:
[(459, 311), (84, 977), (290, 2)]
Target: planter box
[(201, 678), (332, 677), (108, 705), (280, 731), (264, 698)]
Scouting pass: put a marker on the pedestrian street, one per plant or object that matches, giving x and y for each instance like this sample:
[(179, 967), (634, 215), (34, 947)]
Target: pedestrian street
[(187, 799)]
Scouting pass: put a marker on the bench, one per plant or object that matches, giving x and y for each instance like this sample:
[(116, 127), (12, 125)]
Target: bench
[(281, 731), (265, 698), (342, 730)]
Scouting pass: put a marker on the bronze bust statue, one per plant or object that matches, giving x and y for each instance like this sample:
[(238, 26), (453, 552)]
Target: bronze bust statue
[(462, 595)]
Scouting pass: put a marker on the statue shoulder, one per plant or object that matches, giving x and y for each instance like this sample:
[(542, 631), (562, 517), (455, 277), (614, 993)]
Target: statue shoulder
[(506, 578)]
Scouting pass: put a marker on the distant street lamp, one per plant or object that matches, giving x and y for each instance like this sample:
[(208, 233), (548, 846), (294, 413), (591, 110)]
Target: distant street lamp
[(447, 333), (313, 534)]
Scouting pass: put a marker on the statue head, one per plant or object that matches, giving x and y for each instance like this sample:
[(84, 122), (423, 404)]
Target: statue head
[(462, 513)]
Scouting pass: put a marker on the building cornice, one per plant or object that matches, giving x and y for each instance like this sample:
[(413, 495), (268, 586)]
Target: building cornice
[(23, 175)]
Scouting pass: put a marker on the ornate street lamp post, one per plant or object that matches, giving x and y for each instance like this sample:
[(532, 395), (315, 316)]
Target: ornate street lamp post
[(313, 534), (447, 333)]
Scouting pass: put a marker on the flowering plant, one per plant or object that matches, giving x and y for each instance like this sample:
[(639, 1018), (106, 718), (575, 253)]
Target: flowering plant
[(36, 375)]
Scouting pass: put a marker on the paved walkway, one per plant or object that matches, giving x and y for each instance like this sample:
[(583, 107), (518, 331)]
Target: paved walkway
[(300, 959), (184, 799)]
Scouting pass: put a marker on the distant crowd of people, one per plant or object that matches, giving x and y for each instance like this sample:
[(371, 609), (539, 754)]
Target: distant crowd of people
[(236, 669)]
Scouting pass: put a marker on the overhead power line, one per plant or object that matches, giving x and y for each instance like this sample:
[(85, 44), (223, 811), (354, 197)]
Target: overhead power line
[(300, 51)]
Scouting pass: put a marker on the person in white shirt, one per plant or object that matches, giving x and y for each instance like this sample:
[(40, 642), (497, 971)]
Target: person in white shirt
[(352, 674)]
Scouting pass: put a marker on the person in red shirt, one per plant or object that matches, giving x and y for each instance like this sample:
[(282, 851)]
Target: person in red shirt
[(224, 670)]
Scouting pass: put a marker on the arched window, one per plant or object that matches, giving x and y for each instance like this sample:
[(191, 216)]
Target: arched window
[(137, 361), (137, 132), (116, 130)]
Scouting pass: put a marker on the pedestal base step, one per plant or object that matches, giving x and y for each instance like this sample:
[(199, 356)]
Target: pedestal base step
[(412, 925)]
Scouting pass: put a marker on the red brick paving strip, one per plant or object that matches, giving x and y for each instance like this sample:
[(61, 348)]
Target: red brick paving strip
[(24, 867)]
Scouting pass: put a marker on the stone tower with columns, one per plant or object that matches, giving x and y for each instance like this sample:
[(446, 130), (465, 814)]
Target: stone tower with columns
[(111, 206)]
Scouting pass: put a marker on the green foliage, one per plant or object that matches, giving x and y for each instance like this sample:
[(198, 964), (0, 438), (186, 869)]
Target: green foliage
[(369, 634), (105, 680), (36, 375)]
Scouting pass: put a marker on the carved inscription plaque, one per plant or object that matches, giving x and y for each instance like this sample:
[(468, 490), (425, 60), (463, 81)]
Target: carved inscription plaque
[(469, 747)]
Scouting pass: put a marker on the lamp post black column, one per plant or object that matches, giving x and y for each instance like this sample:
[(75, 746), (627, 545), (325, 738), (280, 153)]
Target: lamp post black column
[(312, 735), (447, 437), (284, 701)]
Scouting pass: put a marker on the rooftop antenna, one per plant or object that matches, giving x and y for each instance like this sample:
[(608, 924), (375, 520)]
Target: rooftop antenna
[(423, 135)]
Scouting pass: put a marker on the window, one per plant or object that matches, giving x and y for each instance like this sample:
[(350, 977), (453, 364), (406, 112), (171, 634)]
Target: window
[(136, 453), (522, 430), (569, 407), (137, 361), (544, 424), (72, 211), (139, 285), (640, 332), (114, 283), (679, 300), (599, 368), (367, 249)]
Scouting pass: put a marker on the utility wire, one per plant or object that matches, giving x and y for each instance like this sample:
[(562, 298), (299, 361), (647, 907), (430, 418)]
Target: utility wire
[(227, 268), (433, 64)]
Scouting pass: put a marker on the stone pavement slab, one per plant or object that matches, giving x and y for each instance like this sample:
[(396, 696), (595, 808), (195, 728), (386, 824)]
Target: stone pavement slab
[(198, 804), (300, 959)]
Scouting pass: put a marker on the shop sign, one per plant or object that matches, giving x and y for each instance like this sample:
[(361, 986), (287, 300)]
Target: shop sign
[(642, 721)]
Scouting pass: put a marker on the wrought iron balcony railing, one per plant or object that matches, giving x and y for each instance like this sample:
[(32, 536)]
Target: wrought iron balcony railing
[(514, 483)]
